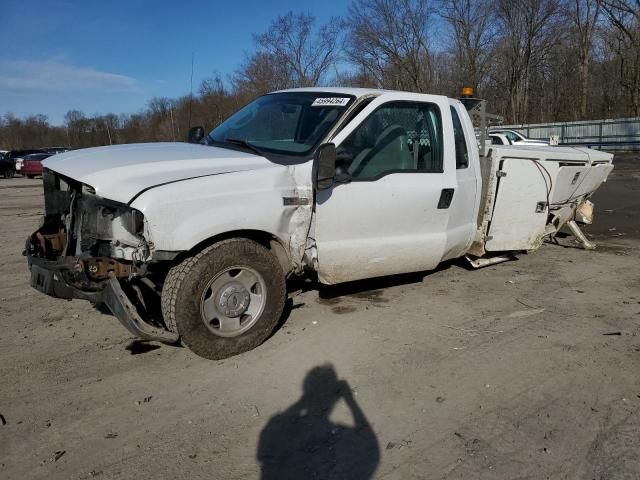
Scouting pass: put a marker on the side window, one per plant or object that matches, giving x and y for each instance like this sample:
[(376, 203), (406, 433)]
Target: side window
[(512, 137), (496, 140), (398, 136), (361, 106), (462, 155)]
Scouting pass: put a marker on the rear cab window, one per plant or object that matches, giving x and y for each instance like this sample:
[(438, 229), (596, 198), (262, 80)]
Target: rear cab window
[(462, 153)]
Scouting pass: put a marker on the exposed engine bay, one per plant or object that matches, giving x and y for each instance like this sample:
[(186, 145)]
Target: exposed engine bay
[(92, 248), (101, 237)]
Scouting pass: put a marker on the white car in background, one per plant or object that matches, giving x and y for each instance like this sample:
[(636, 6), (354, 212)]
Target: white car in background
[(498, 139), (516, 138), (494, 139)]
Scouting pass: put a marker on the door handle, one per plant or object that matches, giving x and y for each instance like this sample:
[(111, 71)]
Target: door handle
[(445, 198)]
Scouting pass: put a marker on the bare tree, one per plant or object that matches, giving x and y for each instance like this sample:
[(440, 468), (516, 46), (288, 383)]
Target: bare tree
[(111, 124), (76, 124), (160, 115), (583, 16), (624, 17), (474, 32), (529, 32), (534, 60), (622, 14), (389, 40), (216, 103), (262, 73), (305, 53), (359, 78)]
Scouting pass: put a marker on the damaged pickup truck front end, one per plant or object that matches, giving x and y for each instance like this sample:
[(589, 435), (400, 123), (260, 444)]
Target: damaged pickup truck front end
[(96, 249)]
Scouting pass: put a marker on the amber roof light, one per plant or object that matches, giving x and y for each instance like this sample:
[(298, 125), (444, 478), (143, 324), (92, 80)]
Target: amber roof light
[(467, 92)]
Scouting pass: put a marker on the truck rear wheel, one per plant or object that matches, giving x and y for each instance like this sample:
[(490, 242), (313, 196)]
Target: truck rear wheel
[(226, 299)]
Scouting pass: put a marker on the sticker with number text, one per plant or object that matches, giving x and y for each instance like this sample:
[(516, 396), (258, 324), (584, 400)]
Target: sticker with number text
[(330, 101)]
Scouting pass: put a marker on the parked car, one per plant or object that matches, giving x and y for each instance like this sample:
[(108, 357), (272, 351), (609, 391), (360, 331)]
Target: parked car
[(54, 150), (493, 139), (517, 138), (7, 166), (32, 164), (194, 242), (499, 139), (17, 157)]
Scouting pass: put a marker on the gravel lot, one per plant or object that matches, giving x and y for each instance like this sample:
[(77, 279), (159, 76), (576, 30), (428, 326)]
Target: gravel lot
[(528, 369)]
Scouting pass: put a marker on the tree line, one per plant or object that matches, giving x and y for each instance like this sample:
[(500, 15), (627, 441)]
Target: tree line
[(533, 60)]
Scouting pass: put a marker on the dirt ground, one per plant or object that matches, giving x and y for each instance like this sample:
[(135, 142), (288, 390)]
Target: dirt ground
[(527, 370)]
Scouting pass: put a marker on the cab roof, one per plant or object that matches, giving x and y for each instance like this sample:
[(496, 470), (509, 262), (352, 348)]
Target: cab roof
[(356, 92)]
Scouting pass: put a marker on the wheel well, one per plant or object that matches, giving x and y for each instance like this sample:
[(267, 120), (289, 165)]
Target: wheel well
[(265, 239)]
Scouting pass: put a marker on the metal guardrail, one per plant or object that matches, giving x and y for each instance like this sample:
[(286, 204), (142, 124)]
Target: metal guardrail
[(615, 134)]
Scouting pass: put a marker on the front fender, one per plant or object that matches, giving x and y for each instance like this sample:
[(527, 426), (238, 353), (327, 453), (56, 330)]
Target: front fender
[(183, 214)]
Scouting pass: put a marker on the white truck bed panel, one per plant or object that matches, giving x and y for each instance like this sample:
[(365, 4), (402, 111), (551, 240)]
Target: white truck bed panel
[(517, 184), (595, 177), (517, 223)]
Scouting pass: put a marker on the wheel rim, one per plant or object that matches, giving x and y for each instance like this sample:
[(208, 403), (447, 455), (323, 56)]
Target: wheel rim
[(233, 301)]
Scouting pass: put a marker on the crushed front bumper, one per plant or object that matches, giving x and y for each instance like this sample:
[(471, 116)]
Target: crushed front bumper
[(48, 277)]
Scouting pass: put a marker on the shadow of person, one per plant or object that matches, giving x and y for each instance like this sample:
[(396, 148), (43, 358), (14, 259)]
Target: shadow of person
[(303, 443)]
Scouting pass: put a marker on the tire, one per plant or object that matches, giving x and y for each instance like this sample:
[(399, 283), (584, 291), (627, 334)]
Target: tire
[(31, 176), (8, 174), (203, 280)]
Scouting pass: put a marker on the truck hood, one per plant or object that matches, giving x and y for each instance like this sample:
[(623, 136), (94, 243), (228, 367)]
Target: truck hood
[(120, 172)]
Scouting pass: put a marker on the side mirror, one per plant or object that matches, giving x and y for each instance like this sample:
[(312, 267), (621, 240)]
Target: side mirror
[(196, 134), (324, 166)]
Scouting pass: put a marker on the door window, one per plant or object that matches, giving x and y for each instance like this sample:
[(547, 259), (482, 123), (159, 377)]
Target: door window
[(397, 137), (512, 136)]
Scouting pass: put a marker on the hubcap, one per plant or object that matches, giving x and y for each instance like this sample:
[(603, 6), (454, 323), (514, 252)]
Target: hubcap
[(233, 301)]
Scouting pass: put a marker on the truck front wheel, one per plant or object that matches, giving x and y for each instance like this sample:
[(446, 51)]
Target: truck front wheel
[(226, 299)]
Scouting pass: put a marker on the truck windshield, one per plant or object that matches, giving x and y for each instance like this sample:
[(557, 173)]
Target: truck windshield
[(282, 123)]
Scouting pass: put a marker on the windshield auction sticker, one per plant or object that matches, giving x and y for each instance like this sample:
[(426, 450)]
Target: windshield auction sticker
[(330, 101)]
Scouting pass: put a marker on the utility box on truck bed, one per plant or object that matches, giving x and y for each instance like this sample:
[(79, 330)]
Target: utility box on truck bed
[(529, 192)]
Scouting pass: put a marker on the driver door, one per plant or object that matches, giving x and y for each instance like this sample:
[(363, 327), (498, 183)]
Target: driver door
[(392, 217)]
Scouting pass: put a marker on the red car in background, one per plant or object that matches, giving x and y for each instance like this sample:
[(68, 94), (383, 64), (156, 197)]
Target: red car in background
[(32, 164)]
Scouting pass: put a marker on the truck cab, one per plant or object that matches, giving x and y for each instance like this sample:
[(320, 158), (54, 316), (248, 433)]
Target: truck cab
[(407, 190), (196, 241)]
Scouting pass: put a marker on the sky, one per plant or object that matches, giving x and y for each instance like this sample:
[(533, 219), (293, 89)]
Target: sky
[(114, 56)]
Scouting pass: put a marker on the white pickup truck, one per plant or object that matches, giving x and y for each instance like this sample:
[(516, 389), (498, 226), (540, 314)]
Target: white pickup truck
[(196, 241)]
